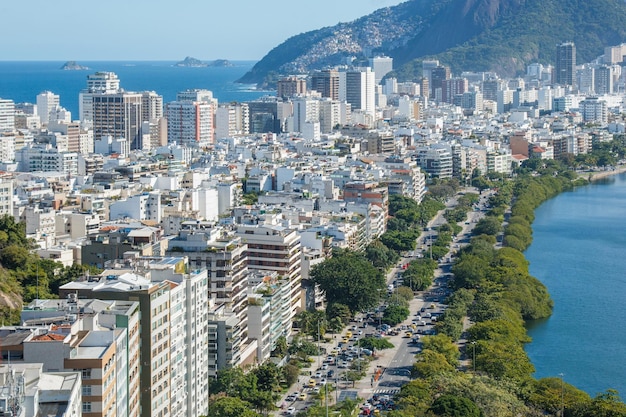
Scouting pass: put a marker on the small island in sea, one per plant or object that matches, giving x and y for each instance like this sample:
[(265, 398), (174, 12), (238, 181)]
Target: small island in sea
[(221, 63), (193, 62), (73, 66)]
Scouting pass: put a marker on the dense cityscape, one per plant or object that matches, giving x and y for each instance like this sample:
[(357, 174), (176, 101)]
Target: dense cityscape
[(158, 246)]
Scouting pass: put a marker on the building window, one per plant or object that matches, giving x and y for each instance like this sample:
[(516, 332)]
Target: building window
[(86, 389), (86, 373), (86, 407)]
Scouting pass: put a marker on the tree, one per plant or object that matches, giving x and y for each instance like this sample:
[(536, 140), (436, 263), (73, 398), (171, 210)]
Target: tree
[(291, 374), (339, 311), (348, 278), (488, 226), (454, 406), (395, 314), (404, 293), (234, 383), (442, 344), (430, 363), (375, 343), (231, 407), (380, 255), (268, 377), (547, 394), (281, 348)]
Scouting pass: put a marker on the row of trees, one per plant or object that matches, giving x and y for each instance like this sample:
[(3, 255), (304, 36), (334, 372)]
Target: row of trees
[(496, 292), (407, 218)]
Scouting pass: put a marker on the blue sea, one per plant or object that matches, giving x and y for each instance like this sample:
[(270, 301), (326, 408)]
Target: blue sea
[(22, 81), (579, 253)]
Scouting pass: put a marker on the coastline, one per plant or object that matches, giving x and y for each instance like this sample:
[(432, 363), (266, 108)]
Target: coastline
[(597, 175)]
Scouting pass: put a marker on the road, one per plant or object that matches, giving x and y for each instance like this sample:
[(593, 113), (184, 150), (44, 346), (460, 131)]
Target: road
[(397, 362)]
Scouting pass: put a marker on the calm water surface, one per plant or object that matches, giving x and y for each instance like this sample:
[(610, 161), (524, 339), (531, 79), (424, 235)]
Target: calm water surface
[(21, 81), (579, 253)]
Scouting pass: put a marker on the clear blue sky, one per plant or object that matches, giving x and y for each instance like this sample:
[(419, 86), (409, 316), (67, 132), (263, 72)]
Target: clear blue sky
[(164, 29)]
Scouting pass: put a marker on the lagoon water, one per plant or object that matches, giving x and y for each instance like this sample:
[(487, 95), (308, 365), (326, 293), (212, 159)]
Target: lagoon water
[(579, 253), (22, 81)]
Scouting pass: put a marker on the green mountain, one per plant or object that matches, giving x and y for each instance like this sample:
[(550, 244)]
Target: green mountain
[(472, 35)]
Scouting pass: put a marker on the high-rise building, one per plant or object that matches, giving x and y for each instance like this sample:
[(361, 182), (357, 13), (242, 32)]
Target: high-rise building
[(151, 106), (290, 86), (47, 102), (173, 348), (603, 80), (381, 65), (330, 115), (7, 115), (191, 118), (594, 110), (118, 115), (98, 83), (326, 82), (305, 110), (427, 68), (272, 247), (438, 76), (190, 123), (453, 87), (231, 120), (565, 63), (357, 87)]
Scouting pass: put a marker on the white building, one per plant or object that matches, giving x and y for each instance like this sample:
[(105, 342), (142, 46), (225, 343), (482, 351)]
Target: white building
[(47, 102), (357, 87), (6, 197), (98, 83), (7, 115), (594, 110), (146, 206), (190, 123)]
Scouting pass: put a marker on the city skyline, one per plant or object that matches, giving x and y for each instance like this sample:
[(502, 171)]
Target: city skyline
[(194, 28)]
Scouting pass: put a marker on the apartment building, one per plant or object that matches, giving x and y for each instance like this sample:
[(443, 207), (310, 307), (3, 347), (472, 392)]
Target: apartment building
[(274, 247)]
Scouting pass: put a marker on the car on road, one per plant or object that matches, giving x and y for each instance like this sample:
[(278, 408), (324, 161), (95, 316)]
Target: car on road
[(291, 397), (312, 383), (330, 373), (302, 396), (290, 411)]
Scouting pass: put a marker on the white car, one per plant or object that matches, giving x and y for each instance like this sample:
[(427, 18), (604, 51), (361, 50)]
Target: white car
[(291, 411)]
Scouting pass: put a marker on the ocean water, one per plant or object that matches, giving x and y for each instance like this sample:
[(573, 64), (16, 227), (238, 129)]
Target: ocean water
[(579, 253), (22, 81)]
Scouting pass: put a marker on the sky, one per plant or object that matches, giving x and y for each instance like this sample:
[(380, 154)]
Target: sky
[(86, 30)]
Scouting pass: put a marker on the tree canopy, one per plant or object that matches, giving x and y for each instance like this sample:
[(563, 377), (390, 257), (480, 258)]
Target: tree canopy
[(349, 278)]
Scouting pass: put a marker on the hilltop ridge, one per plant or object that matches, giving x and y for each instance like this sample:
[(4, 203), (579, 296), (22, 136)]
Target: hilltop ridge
[(474, 35)]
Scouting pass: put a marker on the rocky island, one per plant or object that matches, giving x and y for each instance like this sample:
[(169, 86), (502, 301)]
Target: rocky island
[(191, 62), (73, 66)]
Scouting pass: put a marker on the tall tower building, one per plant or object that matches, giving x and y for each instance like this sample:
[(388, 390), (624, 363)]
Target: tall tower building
[(603, 80), (191, 119), (565, 63), (326, 82), (438, 77), (118, 115), (98, 83), (357, 87), (381, 65), (47, 102)]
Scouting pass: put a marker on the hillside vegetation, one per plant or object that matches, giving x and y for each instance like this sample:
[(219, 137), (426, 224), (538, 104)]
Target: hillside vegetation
[(473, 35)]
